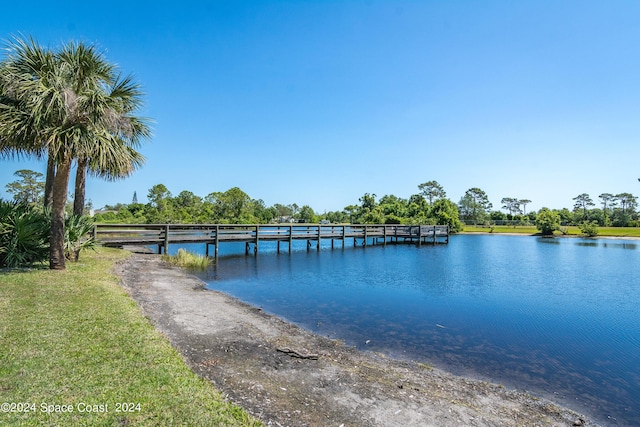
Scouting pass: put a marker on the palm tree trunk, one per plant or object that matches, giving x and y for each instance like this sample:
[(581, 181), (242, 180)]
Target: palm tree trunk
[(56, 239), (81, 180), (48, 186)]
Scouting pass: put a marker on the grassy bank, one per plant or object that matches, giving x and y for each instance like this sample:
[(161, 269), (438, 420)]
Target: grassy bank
[(570, 231), (75, 350)]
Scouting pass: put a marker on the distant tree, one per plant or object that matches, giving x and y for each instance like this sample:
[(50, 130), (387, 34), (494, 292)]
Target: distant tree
[(306, 214), (135, 198), (186, 199), (283, 211), (497, 216), (368, 212), (566, 216), (417, 210), (157, 196), (368, 201), (547, 221), (351, 213), (262, 213), (474, 205), (445, 212), (337, 217), (432, 191), (524, 203), (584, 202), (606, 199), (29, 188), (395, 208), (512, 205), (628, 202), (622, 216)]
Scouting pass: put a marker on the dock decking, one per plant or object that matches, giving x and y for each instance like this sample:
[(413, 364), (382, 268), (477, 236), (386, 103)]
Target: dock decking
[(162, 235)]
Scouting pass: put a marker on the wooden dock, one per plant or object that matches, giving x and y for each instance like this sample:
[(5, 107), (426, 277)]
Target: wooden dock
[(163, 235)]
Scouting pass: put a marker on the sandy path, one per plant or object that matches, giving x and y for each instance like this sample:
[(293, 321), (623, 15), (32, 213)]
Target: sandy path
[(287, 376)]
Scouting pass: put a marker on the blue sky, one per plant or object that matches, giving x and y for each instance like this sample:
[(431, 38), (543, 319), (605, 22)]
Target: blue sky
[(319, 102)]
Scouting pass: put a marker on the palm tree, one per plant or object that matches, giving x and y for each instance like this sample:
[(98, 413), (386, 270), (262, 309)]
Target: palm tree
[(70, 105), (126, 132)]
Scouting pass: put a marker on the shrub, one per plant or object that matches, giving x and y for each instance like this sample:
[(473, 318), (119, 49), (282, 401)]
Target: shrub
[(589, 229), (24, 235), (547, 222), (188, 260), (77, 236)]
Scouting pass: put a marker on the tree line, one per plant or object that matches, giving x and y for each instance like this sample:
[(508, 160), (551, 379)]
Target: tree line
[(429, 205)]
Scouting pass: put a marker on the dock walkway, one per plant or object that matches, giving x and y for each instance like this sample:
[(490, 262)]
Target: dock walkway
[(163, 235)]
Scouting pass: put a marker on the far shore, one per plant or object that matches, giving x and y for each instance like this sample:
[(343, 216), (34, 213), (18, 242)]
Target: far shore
[(527, 232)]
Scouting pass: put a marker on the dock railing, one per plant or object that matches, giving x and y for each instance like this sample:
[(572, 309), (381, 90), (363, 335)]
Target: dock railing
[(162, 235)]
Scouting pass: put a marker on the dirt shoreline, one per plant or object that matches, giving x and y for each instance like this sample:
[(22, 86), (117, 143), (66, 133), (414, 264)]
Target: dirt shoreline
[(287, 376)]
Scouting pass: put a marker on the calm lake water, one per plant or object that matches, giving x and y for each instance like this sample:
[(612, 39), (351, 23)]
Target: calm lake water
[(557, 317)]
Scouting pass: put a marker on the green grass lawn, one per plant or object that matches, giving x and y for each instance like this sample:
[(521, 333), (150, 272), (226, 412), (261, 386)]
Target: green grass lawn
[(73, 339), (571, 231)]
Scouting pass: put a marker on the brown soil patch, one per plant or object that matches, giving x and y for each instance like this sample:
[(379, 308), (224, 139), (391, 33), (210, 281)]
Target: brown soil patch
[(287, 376)]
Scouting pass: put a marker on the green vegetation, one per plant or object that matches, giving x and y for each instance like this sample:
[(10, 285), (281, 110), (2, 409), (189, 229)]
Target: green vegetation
[(429, 206), (568, 231), (619, 231), (234, 206), (29, 188), (589, 228), (188, 260), (75, 337), (547, 222), (24, 234), (520, 229), (68, 105), (474, 205)]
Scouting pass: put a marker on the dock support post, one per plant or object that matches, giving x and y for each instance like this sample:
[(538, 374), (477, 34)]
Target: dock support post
[(333, 235), (290, 237), (319, 231), (255, 249), (435, 237), (217, 239), (166, 239), (246, 248), (384, 233), (419, 235), (365, 236)]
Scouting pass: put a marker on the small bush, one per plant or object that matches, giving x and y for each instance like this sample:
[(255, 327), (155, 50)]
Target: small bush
[(187, 259), (24, 235), (547, 222), (77, 236), (589, 229)]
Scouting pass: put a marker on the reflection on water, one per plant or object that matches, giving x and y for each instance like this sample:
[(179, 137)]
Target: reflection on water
[(558, 317)]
